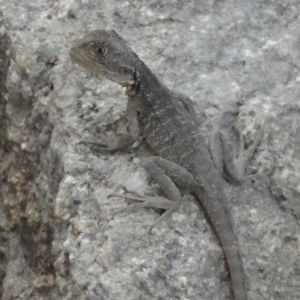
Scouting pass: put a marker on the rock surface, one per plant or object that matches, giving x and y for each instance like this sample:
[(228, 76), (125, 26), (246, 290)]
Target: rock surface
[(238, 60)]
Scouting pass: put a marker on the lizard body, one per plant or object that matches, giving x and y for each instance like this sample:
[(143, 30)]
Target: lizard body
[(161, 116)]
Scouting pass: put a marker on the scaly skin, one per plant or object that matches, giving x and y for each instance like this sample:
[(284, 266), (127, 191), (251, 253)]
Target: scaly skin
[(162, 118)]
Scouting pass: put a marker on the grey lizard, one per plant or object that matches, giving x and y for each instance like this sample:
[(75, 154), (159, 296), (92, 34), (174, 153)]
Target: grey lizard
[(183, 160)]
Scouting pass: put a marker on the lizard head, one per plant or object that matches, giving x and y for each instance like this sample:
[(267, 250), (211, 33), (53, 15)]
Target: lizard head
[(106, 53)]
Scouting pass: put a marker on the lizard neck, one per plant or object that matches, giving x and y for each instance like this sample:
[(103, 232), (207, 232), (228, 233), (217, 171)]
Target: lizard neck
[(145, 83)]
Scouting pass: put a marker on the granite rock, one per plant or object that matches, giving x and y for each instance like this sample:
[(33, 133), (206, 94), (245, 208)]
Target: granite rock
[(238, 60)]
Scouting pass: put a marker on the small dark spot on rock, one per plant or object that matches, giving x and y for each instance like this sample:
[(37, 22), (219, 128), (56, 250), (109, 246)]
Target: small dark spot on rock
[(42, 29), (51, 62), (71, 15), (77, 201), (39, 59), (238, 64), (290, 239)]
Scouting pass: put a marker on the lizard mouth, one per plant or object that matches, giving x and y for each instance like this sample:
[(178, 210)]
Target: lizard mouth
[(84, 62)]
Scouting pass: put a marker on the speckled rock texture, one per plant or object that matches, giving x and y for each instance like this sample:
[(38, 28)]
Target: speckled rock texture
[(238, 60)]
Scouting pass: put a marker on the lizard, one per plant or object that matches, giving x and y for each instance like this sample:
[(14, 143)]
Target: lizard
[(182, 160)]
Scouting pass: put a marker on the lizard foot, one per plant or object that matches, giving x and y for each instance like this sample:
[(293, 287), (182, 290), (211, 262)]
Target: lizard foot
[(237, 162), (106, 145), (147, 201)]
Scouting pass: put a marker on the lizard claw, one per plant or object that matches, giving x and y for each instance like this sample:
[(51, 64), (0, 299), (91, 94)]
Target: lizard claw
[(147, 201), (120, 142), (100, 145)]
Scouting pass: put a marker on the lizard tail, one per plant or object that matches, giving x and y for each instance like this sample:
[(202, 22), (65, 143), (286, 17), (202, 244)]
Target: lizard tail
[(216, 206)]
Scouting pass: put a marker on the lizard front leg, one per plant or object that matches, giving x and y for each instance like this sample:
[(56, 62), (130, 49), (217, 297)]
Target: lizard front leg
[(123, 141), (168, 175)]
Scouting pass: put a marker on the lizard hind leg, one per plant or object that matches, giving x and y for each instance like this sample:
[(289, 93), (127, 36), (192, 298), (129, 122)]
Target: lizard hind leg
[(147, 201), (166, 174)]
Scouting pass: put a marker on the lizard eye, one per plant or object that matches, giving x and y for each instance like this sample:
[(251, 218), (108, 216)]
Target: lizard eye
[(98, 50), (101, 50)]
